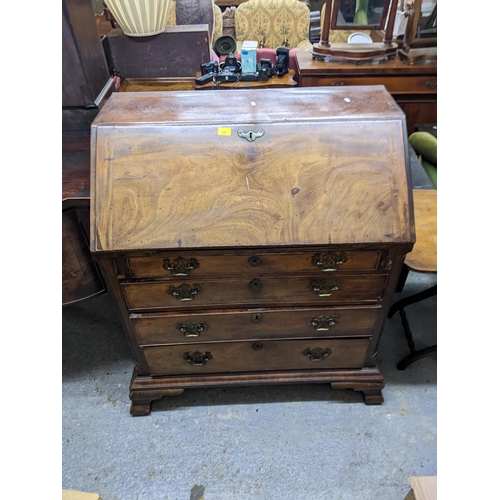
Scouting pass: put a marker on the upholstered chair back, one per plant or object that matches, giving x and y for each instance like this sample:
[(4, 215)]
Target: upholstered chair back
[(217, 31), (273, 23)]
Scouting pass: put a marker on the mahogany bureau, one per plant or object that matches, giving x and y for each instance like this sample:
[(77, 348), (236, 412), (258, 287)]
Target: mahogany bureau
[(251, 237)]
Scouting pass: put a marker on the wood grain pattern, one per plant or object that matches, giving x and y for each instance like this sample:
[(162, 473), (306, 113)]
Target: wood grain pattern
[(161, 328), (156, 84), (242, 356), (269, 106), (76, 165), (395, 84), (423, 257), (275, 191), (229, 292)]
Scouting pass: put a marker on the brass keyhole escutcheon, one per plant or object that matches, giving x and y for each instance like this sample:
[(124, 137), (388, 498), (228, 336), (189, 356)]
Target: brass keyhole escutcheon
[(256, 318), (254, 261), (255, 285), (251, 136), (257, 346)]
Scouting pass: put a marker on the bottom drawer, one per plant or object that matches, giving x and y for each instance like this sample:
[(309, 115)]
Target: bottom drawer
[(263, 355)]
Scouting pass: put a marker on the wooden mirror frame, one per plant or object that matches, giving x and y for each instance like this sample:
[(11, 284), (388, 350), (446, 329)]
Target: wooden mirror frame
[(358, 52), (416, 49)]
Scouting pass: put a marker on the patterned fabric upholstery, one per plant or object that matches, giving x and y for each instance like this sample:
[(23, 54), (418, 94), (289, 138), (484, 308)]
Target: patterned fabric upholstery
[(340, 36), (272, 22), (171, 20)]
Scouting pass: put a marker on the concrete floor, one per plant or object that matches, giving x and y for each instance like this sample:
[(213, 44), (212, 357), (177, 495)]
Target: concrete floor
[(269, 442)]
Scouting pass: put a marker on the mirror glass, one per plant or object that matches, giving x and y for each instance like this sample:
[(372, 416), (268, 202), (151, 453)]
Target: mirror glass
[(360, 13)]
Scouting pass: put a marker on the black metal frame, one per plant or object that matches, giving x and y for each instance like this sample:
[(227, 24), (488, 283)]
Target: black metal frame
[(415, 354)]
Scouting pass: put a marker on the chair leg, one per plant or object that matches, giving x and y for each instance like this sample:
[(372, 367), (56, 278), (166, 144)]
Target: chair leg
[(399, 306), (414, 354), (430, 292)]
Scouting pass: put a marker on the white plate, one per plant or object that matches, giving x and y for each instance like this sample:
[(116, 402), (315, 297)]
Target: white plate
[(359, 38)]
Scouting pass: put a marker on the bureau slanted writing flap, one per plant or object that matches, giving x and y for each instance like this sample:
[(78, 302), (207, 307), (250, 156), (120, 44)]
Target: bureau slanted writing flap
[(325, 167)]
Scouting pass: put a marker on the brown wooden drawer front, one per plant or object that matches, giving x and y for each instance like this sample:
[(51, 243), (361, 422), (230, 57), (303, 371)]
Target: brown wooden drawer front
[(172, 328), (266, 355), (394, 84), (253, 263), (232, 292)]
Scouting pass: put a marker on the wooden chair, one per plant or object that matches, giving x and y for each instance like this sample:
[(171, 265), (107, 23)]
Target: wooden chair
[(422, 259)]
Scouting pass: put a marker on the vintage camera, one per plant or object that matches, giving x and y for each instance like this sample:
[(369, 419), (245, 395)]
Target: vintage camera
[(209, 67), (231, 64), (208, 71), (226, 75), (265, 69), (282, 61)]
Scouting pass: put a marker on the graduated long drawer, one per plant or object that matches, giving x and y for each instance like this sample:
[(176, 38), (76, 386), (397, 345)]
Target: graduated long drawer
[(216, 326), (269, 355), (232, 292), (224, 263)]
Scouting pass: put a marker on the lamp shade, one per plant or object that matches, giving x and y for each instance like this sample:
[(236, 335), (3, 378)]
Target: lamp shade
[(140, 17)]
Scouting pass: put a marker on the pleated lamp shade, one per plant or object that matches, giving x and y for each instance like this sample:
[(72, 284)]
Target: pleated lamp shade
[(140, 17)]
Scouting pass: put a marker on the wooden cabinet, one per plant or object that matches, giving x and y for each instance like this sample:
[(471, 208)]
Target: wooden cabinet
[(253, 238), (414, 87)]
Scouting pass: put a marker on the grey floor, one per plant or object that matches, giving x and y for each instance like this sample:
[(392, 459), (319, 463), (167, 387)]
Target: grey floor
[(269, 442)]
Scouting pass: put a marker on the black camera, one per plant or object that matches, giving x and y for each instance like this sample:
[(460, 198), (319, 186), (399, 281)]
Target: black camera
[(208, 71), (265, 69), (230, 64), (209, 67), (282, 61)]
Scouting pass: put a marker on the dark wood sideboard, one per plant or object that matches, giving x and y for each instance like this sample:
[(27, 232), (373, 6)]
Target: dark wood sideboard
[(237, 252), (414, 87)]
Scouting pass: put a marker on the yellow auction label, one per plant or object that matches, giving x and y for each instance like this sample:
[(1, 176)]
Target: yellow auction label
[(223, 131)]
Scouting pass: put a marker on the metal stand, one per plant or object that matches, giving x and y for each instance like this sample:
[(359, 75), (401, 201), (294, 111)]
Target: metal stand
[(399, 306)]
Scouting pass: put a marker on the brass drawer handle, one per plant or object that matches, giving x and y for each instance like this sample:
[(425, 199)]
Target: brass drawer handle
[(180, 266), (323, 323), (254, 261), (431, 84), (255, 285), (317, 354), (185, 292), (324, 288), (251, 136), (197, 358), (338, 84), (329, 261), (191, 328)]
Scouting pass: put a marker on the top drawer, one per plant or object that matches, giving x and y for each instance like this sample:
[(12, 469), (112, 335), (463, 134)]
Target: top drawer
[(394, 84), (251, 263)]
